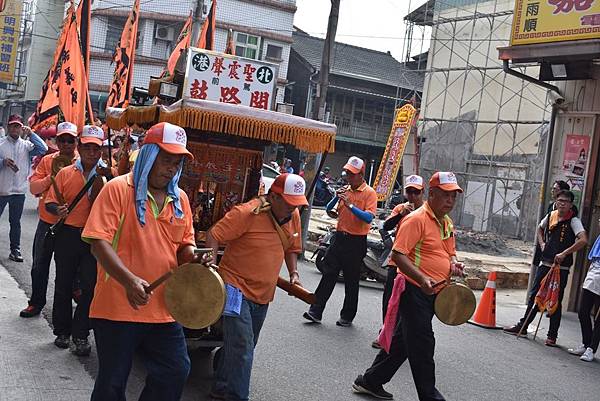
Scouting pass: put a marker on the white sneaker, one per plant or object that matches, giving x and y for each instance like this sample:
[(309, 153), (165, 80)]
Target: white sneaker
[(588, 355), (577, 351)]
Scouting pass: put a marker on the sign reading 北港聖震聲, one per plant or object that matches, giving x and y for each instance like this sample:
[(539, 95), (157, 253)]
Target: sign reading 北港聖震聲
[(229, 79), (10, 28), (542, 21)]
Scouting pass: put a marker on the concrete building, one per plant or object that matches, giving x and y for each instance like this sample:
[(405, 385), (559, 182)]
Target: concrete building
[(487, 126), (262, 30), (570, 69), (365, 87)]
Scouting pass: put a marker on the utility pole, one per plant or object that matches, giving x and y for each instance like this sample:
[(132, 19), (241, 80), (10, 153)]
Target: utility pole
[(197, 23), (318, 110)]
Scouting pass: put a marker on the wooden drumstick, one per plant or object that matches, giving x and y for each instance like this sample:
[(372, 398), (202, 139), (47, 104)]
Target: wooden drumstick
[(168, 274), (59, 196)]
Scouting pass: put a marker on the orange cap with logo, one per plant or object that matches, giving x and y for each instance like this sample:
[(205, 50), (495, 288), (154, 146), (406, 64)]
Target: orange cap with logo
[(291, 187), (414, 181), (92, 134), (355, 165), (169, 137), (445, 180)]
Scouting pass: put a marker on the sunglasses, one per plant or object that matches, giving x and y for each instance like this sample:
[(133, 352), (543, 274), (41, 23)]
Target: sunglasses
[(66, 139), (413, 191)]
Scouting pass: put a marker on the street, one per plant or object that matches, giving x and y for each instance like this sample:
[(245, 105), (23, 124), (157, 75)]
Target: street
[(298, 361)]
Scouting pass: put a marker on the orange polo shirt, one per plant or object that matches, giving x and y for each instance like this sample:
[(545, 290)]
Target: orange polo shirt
[(69, 182), (428, 243), (364, 198), (39, 183), (148, 251), (254, 253)]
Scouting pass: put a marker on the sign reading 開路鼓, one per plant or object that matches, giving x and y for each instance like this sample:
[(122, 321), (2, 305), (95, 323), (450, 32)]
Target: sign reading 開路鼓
[(542, 21), (10, 27), (229, 79)]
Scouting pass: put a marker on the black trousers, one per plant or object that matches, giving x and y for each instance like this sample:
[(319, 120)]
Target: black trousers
[(40, 268), (590, 338), (388, 287), (413, 340), (346, 254), (555, 318), (72, 256)]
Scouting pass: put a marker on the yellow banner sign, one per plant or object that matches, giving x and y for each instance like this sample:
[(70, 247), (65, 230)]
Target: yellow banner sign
[(542, 21), (394, 150), (10, 28)]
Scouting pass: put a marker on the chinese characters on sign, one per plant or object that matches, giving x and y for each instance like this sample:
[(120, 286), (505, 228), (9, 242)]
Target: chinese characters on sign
[(10, 27), (394, 150), (229, 79), (540, 21)]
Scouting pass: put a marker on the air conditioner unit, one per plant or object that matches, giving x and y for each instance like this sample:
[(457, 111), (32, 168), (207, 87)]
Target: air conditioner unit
[(163, 32)]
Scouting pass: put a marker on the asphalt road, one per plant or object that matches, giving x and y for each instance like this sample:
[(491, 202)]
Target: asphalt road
[(298, 361)]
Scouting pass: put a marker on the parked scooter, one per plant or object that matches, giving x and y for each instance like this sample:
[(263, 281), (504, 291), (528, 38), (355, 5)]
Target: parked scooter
[(374, 262), (324, 192)]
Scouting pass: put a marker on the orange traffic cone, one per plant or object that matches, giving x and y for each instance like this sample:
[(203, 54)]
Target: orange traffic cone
[(485, 315)]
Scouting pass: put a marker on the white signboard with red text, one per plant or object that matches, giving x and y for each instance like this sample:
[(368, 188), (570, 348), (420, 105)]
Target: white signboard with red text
[(229, 79)]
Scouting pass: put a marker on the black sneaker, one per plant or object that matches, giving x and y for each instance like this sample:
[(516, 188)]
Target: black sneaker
[(375, 344), (312, 317), (15, 256), (82, 347), (514, 330), (62, 341), (343, 322), (30, 311), (360, 386)]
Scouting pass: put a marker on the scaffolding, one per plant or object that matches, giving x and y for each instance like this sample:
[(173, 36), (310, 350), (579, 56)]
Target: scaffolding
[(485, 125)]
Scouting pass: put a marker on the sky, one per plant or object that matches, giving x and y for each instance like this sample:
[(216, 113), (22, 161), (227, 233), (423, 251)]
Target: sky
[(374, 24)]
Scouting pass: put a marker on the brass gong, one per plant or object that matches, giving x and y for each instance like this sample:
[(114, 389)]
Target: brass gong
[(195, 296), (455, 304), (59, 162)]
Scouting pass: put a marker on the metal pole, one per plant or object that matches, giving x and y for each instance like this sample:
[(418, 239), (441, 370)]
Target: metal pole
[(196, 24)]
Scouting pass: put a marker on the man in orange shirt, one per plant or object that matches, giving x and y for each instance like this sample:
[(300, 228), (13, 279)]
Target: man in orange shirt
[(72, 256), (357, 208), (425, 253), (39, 184), (140, 227), (260, 235)]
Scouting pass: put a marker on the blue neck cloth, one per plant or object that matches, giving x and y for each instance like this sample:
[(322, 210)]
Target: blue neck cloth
[(595, 251), (141, 170)]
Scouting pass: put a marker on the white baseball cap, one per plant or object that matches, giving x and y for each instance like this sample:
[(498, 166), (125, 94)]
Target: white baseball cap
[(413, 181), (92, 134), (355, 165), (291, 187), (66, 128)]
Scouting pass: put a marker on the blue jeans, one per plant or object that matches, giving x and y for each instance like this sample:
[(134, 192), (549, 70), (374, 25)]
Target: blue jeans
[(15, 210), (234, 360), (163, 351)]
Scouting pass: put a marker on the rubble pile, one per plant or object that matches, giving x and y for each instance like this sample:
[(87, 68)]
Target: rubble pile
[(485, 243)]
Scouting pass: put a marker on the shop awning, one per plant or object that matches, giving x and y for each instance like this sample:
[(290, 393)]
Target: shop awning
[(223, 118)]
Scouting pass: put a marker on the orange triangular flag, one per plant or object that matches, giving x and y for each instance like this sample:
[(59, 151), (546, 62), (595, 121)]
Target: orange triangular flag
[(183, 43), (207, 34)]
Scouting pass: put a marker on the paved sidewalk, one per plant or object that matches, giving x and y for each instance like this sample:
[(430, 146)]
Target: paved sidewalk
[(31, 367)]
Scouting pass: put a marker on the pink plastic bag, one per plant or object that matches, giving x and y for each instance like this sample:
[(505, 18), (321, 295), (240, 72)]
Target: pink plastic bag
[(389, 324)]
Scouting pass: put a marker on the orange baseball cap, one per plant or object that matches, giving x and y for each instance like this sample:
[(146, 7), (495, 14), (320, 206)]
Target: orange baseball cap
[(92, 134), (414, 181), (169, 137), (355, 165), (291, 187), (444, 180), (66, 128)]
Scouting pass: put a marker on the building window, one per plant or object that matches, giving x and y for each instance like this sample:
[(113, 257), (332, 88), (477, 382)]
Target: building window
[(246, 45), (274, 52), (113, 34)]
